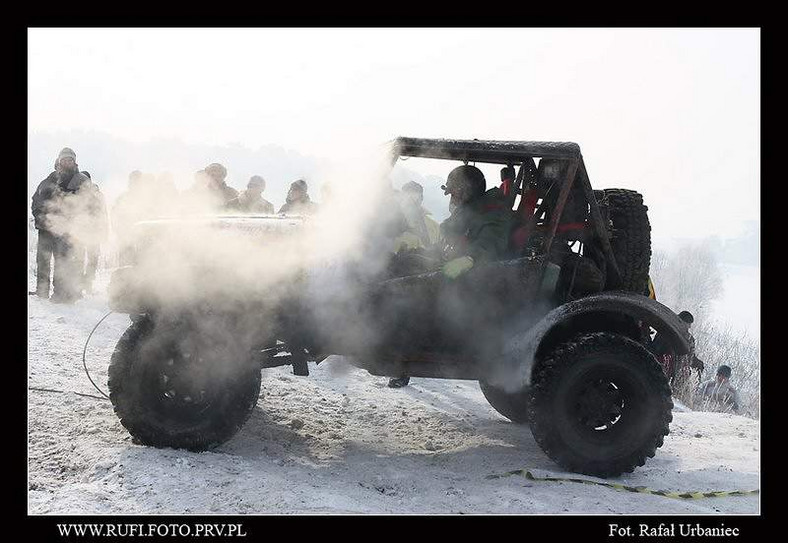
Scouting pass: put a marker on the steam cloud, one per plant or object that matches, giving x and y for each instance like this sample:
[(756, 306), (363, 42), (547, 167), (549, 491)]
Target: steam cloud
[(235, 274)]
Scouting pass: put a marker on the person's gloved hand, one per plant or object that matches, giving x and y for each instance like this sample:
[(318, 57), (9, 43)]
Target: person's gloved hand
[(454, 268), (697, 364), (407, 241)]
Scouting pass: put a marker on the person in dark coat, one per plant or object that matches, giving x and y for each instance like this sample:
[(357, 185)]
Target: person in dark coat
[(672, 364), (220, 191), (251, 200), (209, 194), (718, 394), (298, 201), (45, 246), (59, 203)]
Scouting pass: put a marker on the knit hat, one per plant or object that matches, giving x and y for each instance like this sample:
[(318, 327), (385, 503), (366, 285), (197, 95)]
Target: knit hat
[(216, 170), (67, 152), (687, 317), (256, 181), (299, 184)]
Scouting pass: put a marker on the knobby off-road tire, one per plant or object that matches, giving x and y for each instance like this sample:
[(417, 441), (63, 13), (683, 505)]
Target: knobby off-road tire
[(165, 400), (600, 405), (631, 239), (512, 405)]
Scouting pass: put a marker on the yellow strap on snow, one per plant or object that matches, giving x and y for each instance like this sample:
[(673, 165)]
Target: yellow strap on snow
[(639, 489)]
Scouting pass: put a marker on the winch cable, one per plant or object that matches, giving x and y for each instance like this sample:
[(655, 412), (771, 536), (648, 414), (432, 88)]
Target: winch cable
[(638, 489), (39, 389), (85, 366), (85, 350)]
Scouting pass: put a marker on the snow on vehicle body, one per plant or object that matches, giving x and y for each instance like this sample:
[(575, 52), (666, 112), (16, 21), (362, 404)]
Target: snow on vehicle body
[(556, 333)]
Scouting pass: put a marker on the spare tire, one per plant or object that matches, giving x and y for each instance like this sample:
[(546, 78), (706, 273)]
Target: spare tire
[(630, 239)]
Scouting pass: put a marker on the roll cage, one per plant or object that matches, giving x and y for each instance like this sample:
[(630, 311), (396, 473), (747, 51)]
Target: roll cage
[(543, 190)]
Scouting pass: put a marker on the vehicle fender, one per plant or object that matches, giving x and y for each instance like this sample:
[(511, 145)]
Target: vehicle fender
[(613, 311)]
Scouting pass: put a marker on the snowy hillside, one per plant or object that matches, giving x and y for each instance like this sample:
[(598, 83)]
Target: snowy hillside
[(338, 441)]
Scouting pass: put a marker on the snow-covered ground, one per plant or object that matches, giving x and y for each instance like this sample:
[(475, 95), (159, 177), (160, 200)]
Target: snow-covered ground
[(338, 441)]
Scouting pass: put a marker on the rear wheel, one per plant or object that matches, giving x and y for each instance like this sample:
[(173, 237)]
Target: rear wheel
[(600, 405), (512, 405), (170, 389)]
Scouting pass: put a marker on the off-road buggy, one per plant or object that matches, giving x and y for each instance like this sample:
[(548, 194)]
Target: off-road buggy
[(557, 334)]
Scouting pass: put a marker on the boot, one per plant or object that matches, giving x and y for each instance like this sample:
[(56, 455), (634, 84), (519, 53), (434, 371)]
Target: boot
[(399, 382)]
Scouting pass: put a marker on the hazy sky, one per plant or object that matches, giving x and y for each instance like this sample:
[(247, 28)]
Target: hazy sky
[(673, 113)]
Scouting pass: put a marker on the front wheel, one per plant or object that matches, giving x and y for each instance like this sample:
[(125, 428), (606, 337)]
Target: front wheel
[(600, 405), (171, 388)]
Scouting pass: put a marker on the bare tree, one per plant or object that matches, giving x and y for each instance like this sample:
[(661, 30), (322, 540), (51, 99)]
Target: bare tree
[(688, 278)]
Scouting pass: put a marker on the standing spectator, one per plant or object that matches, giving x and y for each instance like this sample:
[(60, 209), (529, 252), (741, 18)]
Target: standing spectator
[(45, 246), (60, 200), (675, 366), (718, 394), (297, 201), (95, 234), (209, 194), (251, 200), (221, 194)]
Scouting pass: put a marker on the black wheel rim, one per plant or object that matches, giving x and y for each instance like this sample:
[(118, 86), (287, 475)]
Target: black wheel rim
[(599, 405), (604, 401), (175, 390)]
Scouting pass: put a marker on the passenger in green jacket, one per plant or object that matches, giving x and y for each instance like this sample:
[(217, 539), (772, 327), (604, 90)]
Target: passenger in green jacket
[(478, 228)]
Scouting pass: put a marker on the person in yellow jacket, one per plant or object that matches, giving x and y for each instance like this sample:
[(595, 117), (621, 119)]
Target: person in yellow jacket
[(423, 231), (476, 231)]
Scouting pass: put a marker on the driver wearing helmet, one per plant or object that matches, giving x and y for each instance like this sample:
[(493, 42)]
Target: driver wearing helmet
[(478, 228)]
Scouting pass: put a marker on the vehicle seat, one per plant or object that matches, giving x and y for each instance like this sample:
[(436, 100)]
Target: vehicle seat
[(519, 234)]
